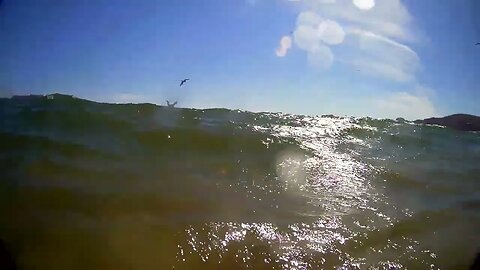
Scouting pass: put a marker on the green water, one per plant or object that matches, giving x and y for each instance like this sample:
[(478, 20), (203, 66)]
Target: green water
[(99, 186)]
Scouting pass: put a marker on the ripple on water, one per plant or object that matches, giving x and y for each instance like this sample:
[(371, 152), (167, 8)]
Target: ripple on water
[(336, 188)]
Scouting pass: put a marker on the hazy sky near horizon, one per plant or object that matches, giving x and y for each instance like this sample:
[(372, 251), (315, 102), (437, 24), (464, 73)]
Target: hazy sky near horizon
[(380, 58)]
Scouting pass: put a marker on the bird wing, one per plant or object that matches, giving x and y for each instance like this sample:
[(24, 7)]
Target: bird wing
[(184, 81)]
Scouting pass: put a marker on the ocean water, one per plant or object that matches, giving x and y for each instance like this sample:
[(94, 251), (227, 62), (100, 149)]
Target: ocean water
[(86, 185)]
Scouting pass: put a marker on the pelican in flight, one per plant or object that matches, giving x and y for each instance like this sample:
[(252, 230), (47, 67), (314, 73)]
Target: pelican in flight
[(184, 81)]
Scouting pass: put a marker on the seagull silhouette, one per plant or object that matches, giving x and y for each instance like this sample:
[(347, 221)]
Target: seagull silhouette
[(184, 81), (171, 105)]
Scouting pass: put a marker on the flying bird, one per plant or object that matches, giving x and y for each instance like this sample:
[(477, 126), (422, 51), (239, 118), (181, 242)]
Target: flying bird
[(171, 105), (184, 81), (478, 44)]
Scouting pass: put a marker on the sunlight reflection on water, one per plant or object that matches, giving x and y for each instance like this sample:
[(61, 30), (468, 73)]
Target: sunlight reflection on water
[(334, 184)]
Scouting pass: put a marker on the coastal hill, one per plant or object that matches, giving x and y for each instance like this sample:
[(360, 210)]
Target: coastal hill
[(464, 122)]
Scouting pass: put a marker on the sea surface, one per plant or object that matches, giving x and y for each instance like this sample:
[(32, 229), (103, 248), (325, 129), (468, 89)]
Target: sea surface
[(85, 185)]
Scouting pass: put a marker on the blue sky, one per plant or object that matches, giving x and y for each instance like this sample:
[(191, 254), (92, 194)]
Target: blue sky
[(383, 58)]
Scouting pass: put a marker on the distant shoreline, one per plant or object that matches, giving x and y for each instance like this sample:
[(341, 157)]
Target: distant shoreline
[(463, 122)]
